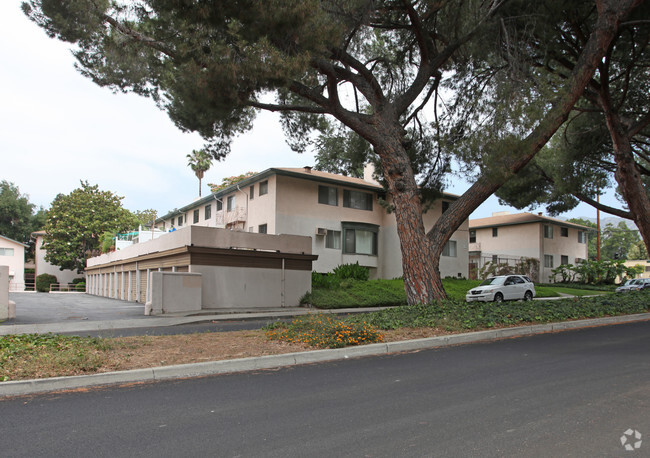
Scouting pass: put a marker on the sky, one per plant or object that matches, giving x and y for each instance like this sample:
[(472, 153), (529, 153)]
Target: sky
[(58, 128)]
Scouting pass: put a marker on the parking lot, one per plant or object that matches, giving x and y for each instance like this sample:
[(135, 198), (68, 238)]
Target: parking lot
[(37, 308)]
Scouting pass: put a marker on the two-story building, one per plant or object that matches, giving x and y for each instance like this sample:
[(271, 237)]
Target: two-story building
[(504, 238), (344, 216), (12, 254)]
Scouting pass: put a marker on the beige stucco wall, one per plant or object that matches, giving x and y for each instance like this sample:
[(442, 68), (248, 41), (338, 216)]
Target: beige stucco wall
[(298, 212), (15, 263), (527, 240), (241, 287), (207, 237), (44, 267), (449, 266)]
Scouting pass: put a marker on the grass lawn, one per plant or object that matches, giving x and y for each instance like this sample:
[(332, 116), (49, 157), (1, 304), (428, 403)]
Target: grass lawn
[(382, 293)]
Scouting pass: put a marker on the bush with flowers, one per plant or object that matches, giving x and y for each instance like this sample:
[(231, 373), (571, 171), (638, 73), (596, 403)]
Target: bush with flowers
[(324, 331)]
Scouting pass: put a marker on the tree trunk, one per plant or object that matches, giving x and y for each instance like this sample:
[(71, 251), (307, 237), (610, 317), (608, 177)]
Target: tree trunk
[(422, 281), (628, 176), (610, 14)]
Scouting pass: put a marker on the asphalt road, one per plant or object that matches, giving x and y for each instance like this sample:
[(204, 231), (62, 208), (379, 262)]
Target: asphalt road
[(565, 394)]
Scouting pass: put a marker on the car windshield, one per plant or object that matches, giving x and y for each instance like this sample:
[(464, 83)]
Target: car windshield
[(493, 281)]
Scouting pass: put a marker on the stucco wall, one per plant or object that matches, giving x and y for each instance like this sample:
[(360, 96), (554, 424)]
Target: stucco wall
[(241, 287), (299, 212), (15, 263), (44, 267)]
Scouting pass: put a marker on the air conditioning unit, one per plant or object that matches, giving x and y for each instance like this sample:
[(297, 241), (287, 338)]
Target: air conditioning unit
[(321, 231)]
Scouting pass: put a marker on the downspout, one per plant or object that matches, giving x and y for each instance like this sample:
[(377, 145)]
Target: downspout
[(246, 223), (282, 292)]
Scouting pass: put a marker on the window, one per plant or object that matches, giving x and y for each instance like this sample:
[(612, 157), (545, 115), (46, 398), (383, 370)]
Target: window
[(548, 232), (6, 251), (582, 237), (450, 249), (495, 259), (472, 236), (261, 228), (445, 206), (564, 260), (195, 218), (208, 212), (358, 200), (264, 187), (647, 268), (251, 192), (328, 195), (230, 203), (333, 239), (180, 221), (495, 232), (564, 231), (548, 260), (360, 238)]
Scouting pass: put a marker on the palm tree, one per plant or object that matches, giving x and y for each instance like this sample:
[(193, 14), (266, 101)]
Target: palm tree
[(200, 162)]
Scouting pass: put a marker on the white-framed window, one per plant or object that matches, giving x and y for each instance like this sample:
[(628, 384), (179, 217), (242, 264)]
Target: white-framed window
[(548, 231), (472, 236), (359, 238), (357, 200), (564, 260), (6, 251), (495, 232), (195, 218), (230, 203), (251, 192), (207, 212), (262, 228), (582, 237), (548, 261), (449, 249), (564, 232), (333, 239), (180, 221), (328, 195), (219, 205), (264, 187)]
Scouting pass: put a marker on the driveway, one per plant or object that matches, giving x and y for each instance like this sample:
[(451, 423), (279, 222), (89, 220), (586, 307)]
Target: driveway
[(37, 308)]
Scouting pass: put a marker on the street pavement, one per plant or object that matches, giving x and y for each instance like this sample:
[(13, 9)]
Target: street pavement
[(583, 393), (89, 315)]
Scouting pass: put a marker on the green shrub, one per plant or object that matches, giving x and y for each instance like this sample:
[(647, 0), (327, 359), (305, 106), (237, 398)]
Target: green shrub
[(326, 281), (352, 271), (78, 280), (80, 287), (43, 282)]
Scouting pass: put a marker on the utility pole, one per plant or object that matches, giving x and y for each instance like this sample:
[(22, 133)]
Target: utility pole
[(598, 229)]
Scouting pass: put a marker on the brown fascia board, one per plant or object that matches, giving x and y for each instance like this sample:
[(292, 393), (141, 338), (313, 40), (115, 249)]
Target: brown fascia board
[(533, 219), (315, 175)]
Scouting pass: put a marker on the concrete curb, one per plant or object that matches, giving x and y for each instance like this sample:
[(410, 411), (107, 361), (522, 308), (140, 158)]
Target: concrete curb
[(25, 387)]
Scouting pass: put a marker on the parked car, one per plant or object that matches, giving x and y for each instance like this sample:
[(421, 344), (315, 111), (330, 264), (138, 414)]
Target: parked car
[(627, 286), (642, 283), (502, 288)]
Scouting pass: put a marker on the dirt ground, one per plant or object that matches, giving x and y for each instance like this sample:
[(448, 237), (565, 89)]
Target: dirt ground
[(153, 351)]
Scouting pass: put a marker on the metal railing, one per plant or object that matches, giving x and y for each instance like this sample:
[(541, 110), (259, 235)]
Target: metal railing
[(67, 287), (19, 287)]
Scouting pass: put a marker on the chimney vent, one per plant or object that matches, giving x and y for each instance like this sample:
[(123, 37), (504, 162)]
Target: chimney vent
[(308, 168)]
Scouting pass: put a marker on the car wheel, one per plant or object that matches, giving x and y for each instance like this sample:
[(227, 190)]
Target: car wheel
[(528, 296), (498, 297)]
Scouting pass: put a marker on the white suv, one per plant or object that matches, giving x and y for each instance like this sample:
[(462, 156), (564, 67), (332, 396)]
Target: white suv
[(502, 288)]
